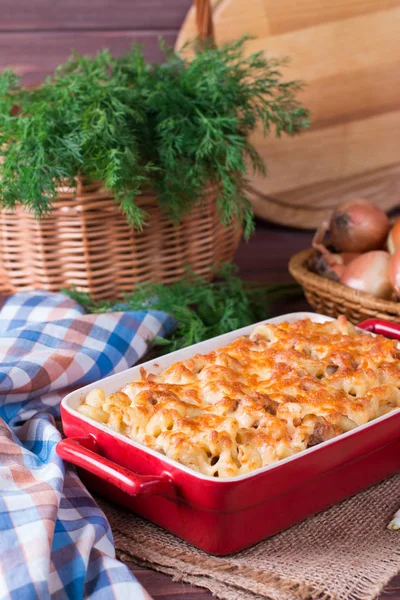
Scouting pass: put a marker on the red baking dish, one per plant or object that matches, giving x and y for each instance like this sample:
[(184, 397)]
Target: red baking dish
[(223, 516)]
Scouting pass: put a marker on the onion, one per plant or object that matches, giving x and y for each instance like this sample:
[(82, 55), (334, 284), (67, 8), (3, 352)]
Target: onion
[(358, 226), (393, 240), (369, 273), (331, 265), (395, 522), (326, 263), (394, 271)]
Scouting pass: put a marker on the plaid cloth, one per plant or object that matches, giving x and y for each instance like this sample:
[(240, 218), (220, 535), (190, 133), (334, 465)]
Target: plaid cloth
[(54, 540)]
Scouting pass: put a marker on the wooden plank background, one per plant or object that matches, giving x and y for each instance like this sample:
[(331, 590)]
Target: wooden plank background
[(35, 36)]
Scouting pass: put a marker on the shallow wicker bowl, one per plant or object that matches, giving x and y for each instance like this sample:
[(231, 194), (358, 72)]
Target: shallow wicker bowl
[(333, 299), (86, 242)]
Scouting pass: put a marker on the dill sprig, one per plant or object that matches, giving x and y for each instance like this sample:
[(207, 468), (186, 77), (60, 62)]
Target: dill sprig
[(202, 309), (175, 127), (80, 122)]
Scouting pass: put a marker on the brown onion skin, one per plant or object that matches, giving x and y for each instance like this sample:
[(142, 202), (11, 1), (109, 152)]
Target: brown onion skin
[(358, 226), (394, 271), (369, 273), (393, 240), (331, 265)]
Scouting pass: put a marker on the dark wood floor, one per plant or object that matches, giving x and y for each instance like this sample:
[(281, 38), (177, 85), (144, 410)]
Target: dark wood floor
[(264, 258)]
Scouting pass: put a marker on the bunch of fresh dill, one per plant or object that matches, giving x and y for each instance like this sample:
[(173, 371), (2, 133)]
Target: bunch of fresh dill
[(202, 309), (81, 122), (199, 117), (175, 127)]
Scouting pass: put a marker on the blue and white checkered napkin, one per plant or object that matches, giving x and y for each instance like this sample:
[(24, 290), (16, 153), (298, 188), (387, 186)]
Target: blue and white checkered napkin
[(54, 540)]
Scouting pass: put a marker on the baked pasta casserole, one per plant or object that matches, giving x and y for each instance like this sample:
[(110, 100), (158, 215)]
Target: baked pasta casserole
[(262, 398)]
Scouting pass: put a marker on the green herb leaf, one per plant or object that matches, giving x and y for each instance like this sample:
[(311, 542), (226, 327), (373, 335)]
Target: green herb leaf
[(176, 127), (202, 309)]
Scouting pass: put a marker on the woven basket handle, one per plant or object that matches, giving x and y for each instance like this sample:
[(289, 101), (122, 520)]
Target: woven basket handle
[(204, 22)]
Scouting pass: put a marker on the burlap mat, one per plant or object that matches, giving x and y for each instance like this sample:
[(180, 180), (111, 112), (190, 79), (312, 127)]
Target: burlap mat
[(345, 553)]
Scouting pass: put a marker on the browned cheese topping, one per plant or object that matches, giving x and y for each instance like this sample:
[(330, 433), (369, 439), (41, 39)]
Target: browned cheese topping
[(284, 388)]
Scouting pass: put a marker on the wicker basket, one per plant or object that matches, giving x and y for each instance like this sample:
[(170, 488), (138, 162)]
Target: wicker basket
[(333, 299), (86, 242)]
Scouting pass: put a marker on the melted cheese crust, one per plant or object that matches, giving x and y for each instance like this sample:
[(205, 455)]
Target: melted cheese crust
[(284, 388)]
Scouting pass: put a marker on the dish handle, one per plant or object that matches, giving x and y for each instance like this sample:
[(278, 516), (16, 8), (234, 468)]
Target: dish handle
[(386, 328), (83, 452)]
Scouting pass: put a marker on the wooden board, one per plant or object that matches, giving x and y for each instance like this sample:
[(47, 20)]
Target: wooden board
[(348, 53)]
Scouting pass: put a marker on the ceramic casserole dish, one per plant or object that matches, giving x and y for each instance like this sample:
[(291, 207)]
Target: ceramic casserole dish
[(223, 516)]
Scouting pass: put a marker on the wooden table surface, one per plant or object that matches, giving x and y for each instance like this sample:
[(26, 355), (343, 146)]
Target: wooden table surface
[(264, 258)]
